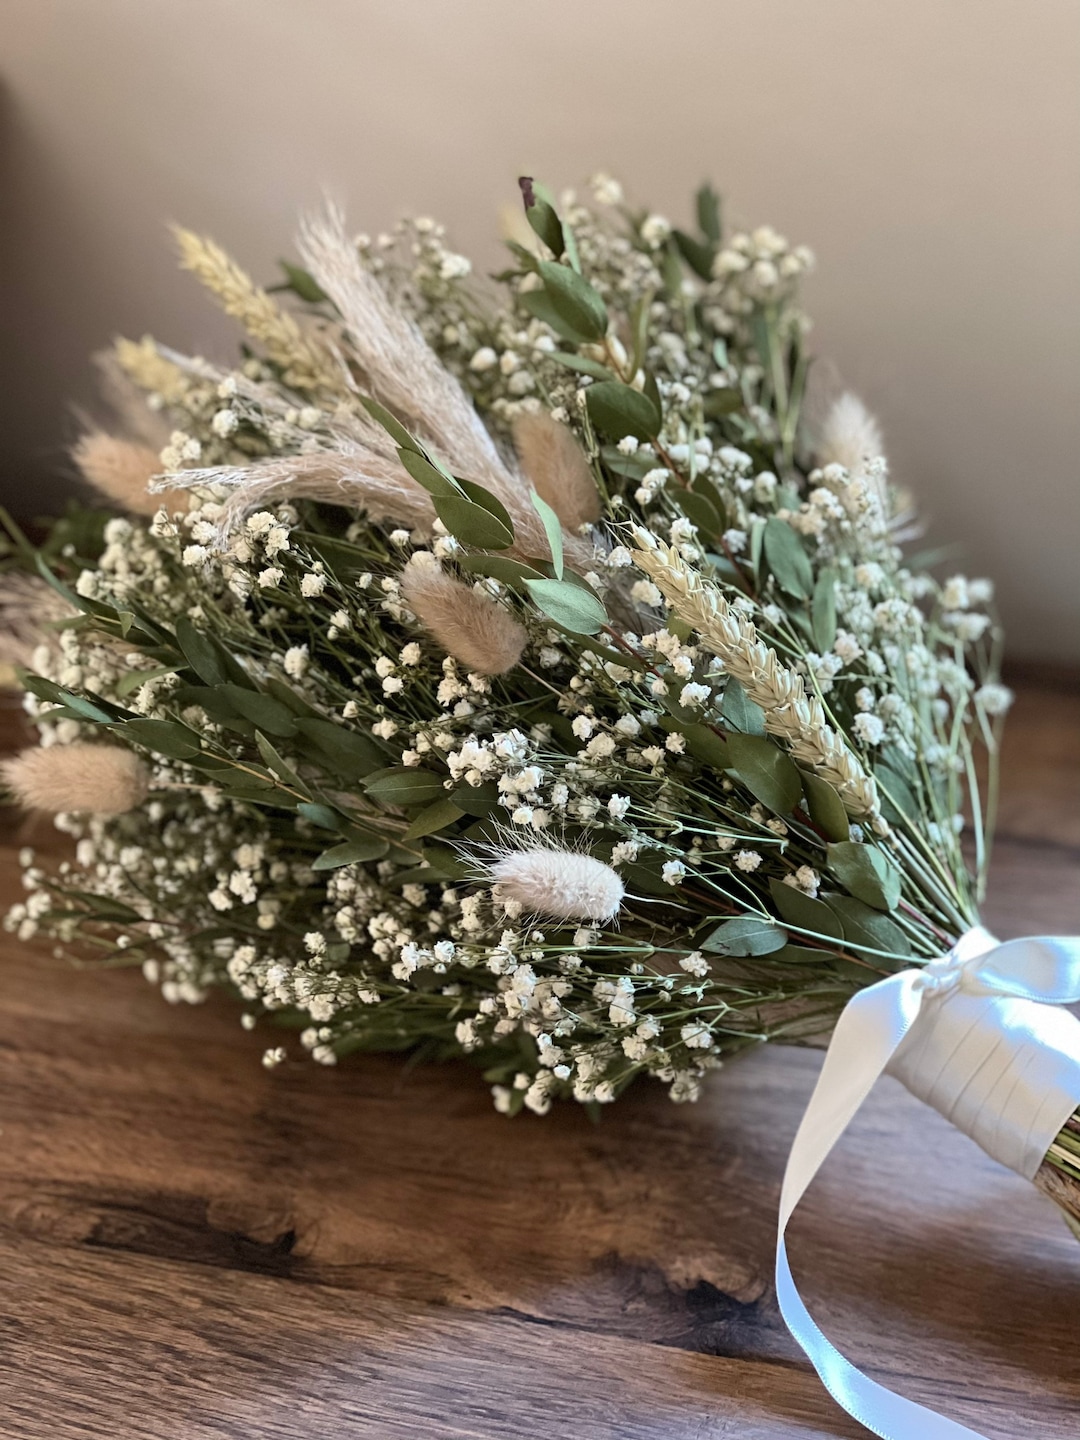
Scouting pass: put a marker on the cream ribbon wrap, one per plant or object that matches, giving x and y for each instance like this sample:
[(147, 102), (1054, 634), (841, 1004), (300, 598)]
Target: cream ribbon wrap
[(978, 1034)]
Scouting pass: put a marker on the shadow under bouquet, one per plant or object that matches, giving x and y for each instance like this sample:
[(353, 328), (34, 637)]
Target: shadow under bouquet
[(525, 670)]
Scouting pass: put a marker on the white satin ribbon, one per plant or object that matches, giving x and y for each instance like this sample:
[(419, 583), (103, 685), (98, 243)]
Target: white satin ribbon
[(978, 1034)]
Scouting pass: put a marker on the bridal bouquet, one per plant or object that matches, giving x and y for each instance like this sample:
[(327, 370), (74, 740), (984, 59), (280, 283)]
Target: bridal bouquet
[(521, 670)]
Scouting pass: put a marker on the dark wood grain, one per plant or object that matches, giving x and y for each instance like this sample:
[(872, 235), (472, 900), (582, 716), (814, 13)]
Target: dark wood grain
[(192, 1246)]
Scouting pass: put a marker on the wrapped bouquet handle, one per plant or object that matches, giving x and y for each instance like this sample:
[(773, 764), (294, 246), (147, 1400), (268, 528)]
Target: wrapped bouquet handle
[(979, 1034)]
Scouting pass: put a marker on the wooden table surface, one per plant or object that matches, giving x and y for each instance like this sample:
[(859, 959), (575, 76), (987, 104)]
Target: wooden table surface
[(191, 1246)]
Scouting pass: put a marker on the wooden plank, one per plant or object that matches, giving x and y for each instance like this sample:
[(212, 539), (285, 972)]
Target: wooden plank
[(195, 1246), (137, 1349)]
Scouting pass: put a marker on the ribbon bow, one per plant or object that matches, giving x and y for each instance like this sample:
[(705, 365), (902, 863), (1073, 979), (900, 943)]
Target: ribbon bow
[(993, 1051)]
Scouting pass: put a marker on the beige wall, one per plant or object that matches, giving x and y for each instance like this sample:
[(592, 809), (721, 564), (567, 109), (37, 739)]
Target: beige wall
[(926, 149)]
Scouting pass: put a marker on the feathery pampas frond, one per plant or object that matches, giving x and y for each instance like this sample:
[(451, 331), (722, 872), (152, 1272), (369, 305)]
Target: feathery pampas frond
[(96, 779), (401, 370), (305, 365), (790, 714), (850, 435), (121, 470), (470, 626), (362, 480), (562, 884), (555, 463), (127, 401), (27, 605)]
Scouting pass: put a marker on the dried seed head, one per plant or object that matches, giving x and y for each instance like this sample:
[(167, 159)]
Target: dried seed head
[(122, 470), (546, 880), (850, 436), (469, 625), (555, 463), (99, 779)]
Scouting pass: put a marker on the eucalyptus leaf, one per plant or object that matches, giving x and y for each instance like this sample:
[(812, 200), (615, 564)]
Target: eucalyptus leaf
[(701, 511), (472, 524), (433, 818), (745, 935), (164, 737), (802, 955), (786, 558), (804, 912), (545, 222), (582, 365), (634, 467), (767, 771), (321, 815), (390, 423), (302, 283), (618, 410), (350, 852), (276, 762), (478, 800), (570, 242), (865, 871), (403, 785), (39, 686), (825, 807), (87, 710), (540, 305), (499, 567), (487, 501), (577, 610), (697, 254), (135, 679), (740, 711), (574, 299), (268, 714), (706, 745), (724, 401), (353, 756), (866, 928), (434, 481), (289, 698), (213, 664), (439, 864), (552, 529), (708, 213), (897, 800), (672, 271)]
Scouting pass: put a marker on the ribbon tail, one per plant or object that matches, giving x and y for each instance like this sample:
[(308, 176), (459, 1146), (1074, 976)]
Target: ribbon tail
[(882, 1411), (864, 1041)]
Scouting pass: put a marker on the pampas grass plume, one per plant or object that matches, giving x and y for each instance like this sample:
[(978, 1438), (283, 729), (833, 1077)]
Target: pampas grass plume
[(555, 463), (850, 436), (470, 626), (547, 880), (98, 779), (122, 470)]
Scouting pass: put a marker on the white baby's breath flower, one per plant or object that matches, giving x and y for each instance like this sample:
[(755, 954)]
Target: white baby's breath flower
[(868, 728), (694, 695), (994, 699)]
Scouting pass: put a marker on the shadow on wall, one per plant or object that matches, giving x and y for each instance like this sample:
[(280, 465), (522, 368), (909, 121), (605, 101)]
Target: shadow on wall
[(40, 290), (65, 293)]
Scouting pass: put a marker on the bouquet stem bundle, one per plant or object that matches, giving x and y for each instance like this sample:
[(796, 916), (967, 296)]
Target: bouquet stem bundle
[(537, 676)]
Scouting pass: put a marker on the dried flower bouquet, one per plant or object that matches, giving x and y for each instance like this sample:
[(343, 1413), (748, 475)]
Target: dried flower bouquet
[(524, 674)]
